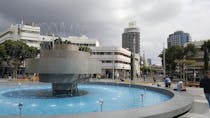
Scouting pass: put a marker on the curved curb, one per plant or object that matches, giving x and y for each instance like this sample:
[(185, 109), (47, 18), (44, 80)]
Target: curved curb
[(180, 103)]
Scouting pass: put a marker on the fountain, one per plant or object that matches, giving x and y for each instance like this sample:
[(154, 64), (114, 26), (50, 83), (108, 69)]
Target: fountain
[(97, 97), (63, 65)]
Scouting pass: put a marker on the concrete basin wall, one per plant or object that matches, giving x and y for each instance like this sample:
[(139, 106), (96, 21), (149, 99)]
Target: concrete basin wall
[(180, 103)]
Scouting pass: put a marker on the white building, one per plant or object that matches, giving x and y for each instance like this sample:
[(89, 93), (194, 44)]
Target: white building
[(117, 59), (82, 41), (198, 67), (30, 34), (112, 58)]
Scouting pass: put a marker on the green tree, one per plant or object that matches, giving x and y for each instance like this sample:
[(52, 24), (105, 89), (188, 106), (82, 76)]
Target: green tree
[(2, 53), (85, 49), (205, 48), (176, 53), (16, 52), (171, 54), (190, 50)]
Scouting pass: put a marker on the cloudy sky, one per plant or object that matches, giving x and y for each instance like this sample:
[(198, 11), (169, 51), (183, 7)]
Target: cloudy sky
[(106, 19)]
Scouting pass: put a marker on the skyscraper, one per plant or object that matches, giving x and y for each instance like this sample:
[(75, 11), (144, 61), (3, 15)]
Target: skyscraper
[(131, 32), (178, 38)]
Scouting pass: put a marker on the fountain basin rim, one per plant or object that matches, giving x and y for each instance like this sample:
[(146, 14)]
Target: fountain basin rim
[(180, 103)]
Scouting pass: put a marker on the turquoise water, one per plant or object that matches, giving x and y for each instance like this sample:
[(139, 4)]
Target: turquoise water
[(37, 99)]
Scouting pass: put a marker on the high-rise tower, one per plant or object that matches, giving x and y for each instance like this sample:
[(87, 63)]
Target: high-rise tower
[(131, 32), (178, 38)]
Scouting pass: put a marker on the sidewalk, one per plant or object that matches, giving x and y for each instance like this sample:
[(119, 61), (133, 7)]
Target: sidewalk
[(200, 108)]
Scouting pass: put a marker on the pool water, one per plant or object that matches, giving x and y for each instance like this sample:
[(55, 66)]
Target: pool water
[(37, 99)]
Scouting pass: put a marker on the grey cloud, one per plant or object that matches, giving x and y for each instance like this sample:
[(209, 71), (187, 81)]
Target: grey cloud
[(105, 19), (160, 10)]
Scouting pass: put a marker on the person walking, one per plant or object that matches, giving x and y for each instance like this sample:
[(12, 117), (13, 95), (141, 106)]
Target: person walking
[(154, 79), (205, 84), (144, 76), (167, 82)]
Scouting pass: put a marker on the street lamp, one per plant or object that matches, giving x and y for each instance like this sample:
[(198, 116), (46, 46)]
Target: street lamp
[(113, 65), (123, 72), (164, 61), (101, 103), (20, 106), (133, 59)]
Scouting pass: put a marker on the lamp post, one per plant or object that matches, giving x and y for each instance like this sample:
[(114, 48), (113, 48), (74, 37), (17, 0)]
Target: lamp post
[(133, 59), (123, 72), (20, 106), (113, 64), (164, 61)]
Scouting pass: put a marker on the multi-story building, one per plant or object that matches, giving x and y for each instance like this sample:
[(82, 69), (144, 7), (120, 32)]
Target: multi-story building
[(30, 34), (178, 38), (197, 68), (115, 59), (112, 58), (82, 41), (131, 33)]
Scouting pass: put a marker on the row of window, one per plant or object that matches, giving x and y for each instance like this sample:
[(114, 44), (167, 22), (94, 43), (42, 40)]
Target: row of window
[(110, 61), (109, 53), (83, 44), (29, 31)]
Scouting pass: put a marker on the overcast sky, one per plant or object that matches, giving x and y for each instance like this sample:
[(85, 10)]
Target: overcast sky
[(105, 20)]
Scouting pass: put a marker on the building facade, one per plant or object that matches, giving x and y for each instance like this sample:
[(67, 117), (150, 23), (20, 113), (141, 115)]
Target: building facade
[(178, 38), (131, 32), (195, 71), (30, 34), (111, 58), (115, 59)]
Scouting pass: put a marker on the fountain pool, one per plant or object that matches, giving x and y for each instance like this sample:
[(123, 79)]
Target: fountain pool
[(37, 99)]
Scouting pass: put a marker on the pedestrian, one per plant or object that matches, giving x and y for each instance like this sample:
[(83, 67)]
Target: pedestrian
[(180, 86), (154, 79), (205, 84), (144, 76), (167, 82)]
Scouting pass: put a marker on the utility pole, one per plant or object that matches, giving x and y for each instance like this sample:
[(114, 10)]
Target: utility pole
[(113, 65), (133, 58), (164, 60)]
